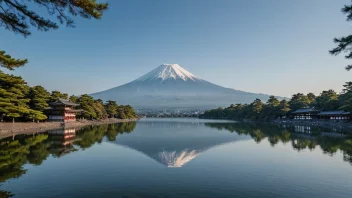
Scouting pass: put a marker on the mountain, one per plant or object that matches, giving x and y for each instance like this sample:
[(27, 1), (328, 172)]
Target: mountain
[(171, 86)]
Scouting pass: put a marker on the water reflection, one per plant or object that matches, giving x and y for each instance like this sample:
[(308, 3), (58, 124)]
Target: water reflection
[(301, 138), (171, 144), (17, 151)]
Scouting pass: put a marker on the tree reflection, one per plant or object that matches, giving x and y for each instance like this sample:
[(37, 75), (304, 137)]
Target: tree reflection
[(35, 149), (5, 194), (305, 138)]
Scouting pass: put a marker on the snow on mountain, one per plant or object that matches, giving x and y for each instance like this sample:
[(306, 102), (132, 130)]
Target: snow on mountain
[(171, 86), (168, 71), (173, 159)]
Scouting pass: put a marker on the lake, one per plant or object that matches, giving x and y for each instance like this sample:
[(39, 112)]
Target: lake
[(178, 158)]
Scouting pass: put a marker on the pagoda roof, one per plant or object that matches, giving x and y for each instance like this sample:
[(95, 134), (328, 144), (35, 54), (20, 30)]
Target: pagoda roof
[(60, 102)]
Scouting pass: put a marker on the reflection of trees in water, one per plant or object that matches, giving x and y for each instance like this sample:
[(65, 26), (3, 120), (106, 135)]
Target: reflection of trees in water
[(34, 149), (5, 194), (115, 129), (302, 144), (13, 154), (90, 135), (275, 134)]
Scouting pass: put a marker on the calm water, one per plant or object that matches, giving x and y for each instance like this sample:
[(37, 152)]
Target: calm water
[(178, 158)]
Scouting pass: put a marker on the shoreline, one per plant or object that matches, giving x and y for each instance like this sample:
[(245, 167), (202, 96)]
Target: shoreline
[(10, 129), (332, 124)]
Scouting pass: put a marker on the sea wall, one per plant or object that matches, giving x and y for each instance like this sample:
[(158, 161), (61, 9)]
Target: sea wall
[(10, 129)]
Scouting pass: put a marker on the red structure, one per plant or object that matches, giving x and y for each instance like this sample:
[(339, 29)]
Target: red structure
[(62, 111)]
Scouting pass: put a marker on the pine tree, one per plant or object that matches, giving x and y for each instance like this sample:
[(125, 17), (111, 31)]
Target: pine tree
[(13, 101), (273, 101), (10, 63), (347, 87), (299, 101), (86, 103), (111, 108), (16, 16), (99, 109), (284, 107), (39, 98), (56, 95), (344, 44), (73, 99), (36, 115), (327, 101)]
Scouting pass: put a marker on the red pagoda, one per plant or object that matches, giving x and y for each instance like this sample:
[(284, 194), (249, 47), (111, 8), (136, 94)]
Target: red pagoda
[(62, 111)]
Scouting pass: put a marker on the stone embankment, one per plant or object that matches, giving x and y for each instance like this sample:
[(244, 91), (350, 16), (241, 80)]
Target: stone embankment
[(9, 129)]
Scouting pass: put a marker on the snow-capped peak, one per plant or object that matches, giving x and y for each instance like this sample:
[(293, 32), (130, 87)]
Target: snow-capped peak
[(167, 71), (174, 159)]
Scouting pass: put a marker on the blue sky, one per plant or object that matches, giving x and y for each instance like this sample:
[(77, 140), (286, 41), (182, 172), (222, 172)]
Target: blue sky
[(277, 47)]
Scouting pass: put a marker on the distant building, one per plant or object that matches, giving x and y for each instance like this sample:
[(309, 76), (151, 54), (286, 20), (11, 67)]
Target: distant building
[(334, 115), (62, 111), (305, 114)]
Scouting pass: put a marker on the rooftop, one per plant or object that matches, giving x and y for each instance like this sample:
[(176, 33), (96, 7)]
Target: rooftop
[(63, 102), (305, 110), (340, 112)]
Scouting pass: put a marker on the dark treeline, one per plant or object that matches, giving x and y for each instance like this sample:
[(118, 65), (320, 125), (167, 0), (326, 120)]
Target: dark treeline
[(273, 108), (18, 101)]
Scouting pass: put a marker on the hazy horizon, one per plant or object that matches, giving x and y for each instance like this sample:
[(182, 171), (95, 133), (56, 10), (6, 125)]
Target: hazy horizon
[(272, 47)]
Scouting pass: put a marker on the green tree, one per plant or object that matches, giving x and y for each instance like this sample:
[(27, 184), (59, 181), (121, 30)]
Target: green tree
[(257, 105), (86, 102), (13, 101), (284, 107), (311, 97), (346, 102), (273, 102), (125, 112), (55, 95), (36, 115), (344, 44), (271, 109), (256, 108), (299, 101), (8, 62), (111, 108), (73, 99), (327, 101), (347, 87), (39, 98), (16, 16), (99, 109)]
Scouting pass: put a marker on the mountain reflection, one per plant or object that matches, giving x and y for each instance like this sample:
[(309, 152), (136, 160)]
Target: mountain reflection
[(172, 144)]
